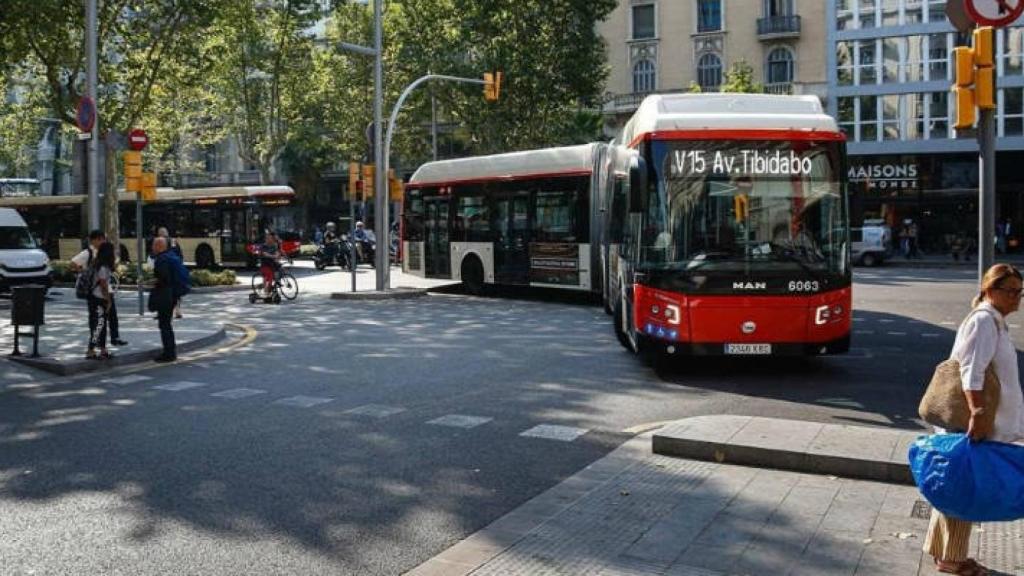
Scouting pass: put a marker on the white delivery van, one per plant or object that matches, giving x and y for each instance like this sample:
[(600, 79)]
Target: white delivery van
[(21, 260), (871, 244)]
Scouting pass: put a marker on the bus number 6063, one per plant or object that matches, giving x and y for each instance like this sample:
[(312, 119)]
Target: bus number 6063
[(801, 286)]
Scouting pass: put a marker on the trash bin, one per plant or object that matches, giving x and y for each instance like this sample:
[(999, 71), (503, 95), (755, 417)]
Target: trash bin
[(28, 304)]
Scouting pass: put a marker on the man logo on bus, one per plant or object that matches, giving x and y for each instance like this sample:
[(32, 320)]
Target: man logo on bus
[(749, 285)]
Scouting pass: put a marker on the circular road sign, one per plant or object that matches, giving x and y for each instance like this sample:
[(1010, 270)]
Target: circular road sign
[(85, 115), (137, 139), (995, 12)]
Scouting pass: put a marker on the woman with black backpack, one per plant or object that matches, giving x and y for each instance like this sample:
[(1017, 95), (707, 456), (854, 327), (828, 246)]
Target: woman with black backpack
[(101, 299)]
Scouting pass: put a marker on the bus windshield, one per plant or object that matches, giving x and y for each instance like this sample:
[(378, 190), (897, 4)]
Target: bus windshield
[(745, 206)]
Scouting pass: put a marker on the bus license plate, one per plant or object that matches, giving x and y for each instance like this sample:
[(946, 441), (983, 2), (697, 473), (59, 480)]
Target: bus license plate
[(752, 349)]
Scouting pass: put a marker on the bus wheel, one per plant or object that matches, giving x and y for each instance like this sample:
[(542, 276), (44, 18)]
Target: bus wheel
[(620, 332), (473, 275), (204, 256)]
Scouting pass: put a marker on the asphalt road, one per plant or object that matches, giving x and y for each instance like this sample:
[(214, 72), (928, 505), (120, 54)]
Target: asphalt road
[(364, 438)]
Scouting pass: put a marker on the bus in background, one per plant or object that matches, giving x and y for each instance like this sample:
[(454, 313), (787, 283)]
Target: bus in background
[(734, 239), (524, 218), (212, 225)]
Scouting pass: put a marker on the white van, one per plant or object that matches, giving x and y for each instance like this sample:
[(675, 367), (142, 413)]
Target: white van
[(21, 260), (870, 244)]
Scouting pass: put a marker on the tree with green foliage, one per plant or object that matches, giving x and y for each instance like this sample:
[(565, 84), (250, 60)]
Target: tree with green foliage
[(740, 78), (145, 46)]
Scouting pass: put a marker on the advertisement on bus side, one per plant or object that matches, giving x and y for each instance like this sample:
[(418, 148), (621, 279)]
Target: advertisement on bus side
[(555, 263)]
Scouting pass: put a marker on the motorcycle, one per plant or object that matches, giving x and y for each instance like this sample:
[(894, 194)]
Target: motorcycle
[(332, 254)]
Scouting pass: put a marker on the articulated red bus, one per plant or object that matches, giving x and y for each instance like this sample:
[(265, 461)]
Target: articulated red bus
[(728, 230)]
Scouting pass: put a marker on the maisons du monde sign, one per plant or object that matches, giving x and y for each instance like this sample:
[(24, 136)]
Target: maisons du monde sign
[(887, 176)]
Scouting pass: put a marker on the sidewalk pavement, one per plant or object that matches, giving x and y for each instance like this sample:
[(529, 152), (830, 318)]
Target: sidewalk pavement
[(634, 513), (64, 337)]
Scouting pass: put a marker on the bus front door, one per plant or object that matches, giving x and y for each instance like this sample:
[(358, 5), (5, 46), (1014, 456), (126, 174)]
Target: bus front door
[(512, 243), (435, 229)]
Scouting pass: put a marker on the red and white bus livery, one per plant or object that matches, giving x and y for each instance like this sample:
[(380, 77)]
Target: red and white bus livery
[(728, 231)]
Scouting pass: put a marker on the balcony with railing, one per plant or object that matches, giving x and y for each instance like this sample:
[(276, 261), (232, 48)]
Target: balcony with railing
[(774, 27)]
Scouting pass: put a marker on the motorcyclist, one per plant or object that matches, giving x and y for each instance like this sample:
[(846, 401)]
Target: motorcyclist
[(331, 235), (363, 239)]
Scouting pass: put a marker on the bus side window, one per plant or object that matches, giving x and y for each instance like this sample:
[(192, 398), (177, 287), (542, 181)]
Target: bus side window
[(413, 216), (617, 218), (472, 218), (557, 213)]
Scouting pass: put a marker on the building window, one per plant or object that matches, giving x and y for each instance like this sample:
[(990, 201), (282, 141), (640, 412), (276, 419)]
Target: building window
[(867, 11), (709, 15), (891, 117), (844, 63), (892, 52), (913, 12), (844, 14), (913, 65), (890, 12), (847, 116), (936, 10), (868, 118), (643, 22), (938, 57), (867, 52), (938, 115), (1013, 112), (779, 68), (709, 72), (643, 77), (1013, 51), (915, 116), (776, 8)]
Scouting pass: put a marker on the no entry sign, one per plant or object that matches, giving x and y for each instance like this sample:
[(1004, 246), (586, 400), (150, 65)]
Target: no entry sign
[(85, 115), (137, 139), (995, 12)]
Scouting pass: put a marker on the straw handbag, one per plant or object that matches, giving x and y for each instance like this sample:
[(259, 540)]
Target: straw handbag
[(945, 402)]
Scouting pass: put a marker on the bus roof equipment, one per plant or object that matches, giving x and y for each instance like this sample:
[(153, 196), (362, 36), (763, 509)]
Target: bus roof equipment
[(564, 161)]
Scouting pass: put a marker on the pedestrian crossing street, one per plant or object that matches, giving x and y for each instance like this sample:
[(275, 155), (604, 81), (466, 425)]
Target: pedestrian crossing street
[(554, 432)]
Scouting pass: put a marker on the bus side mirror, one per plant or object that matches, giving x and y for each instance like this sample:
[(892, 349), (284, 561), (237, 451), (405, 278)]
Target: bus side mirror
[(637, 183)]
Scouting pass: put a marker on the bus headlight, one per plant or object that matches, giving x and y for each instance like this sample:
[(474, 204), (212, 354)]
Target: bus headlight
[(672, 314), (822, 315)]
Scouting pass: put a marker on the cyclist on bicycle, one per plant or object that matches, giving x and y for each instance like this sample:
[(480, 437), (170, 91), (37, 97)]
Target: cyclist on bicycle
[(270, 262)]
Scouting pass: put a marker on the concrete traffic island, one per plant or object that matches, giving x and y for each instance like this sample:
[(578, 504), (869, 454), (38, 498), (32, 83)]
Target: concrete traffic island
[(65, 337), (848, 451), (401, 293)]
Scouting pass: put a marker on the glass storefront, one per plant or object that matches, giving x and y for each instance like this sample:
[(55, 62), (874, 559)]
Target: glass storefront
[(938, 194)]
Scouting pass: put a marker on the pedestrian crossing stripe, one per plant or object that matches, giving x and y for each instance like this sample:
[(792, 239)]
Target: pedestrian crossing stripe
[(179, 386), (129, 379), (303, 401), (460, 421), (554, 432), (237, 393)]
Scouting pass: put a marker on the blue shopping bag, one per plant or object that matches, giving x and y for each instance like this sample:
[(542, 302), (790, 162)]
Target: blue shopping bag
[(974, 481)]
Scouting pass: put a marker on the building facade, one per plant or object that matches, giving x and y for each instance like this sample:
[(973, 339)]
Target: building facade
[(889, 77), (673, 45)]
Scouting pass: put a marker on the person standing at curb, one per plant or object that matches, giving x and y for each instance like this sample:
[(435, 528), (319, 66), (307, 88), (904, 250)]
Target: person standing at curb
[(100, 302), (982, 339), (175, 248), (83, 259), (161, 297)]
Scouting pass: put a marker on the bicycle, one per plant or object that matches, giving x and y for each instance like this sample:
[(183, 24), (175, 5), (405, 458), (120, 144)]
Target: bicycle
[(285, 285)]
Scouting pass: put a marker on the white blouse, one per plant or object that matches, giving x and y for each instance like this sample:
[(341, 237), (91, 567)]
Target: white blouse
[(984, 338)]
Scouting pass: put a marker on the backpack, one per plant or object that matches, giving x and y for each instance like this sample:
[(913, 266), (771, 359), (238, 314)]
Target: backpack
[(182, 281), (86, 280)]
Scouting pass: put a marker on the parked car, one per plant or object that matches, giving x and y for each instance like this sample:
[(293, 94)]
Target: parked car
[(870, 244)]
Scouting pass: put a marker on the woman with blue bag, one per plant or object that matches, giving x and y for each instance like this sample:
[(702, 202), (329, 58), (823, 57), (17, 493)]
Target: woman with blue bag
[(983, 344)]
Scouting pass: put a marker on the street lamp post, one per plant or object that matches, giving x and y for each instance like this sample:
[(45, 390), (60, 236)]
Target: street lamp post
[(93, 161)]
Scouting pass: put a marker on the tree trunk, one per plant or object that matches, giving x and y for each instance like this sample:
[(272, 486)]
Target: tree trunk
[(111, 217)]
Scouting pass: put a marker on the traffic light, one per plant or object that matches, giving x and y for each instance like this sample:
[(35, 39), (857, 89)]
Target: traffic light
[(368, 174), (741, 207), (132, 171), (974, 78), (353, 178), (492, 86), (395, 187), (148, 182)]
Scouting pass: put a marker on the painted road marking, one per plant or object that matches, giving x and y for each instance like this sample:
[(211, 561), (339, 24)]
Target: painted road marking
[(863, 331), (896, 333), (236, 393), (179, 386), (129, 379), (859, 320), (375, 410), (886, 320), (930, 335), (303, 401), (460, 421), (554, 432)]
